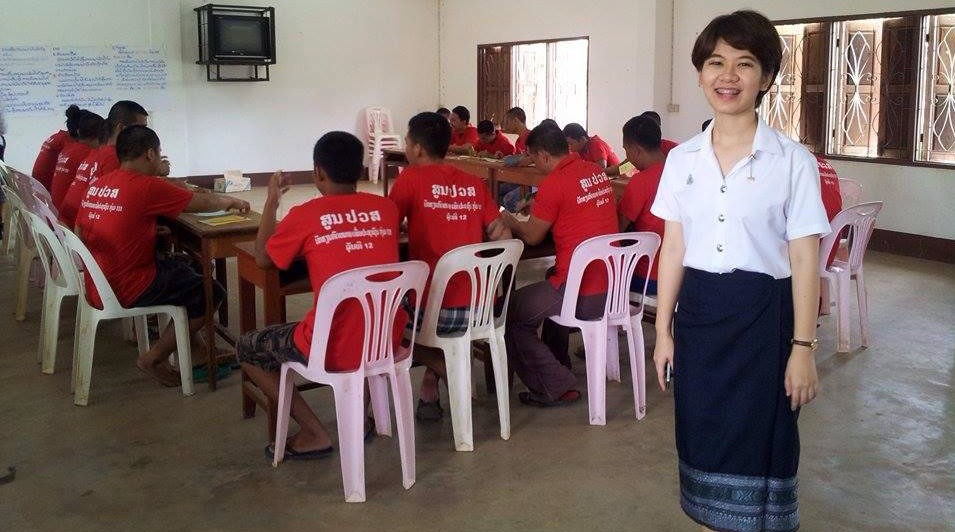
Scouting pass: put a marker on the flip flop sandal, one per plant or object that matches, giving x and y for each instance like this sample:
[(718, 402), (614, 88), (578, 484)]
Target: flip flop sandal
[(201, 373), (541, 401), (292, 454), (429, 411)]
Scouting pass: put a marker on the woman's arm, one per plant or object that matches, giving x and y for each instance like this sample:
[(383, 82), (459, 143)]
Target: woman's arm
[(802, 382), (669, 281)]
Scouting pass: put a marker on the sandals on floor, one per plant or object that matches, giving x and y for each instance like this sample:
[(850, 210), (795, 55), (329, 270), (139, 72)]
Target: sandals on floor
[(541, 401), (429, 411), (292, 454)]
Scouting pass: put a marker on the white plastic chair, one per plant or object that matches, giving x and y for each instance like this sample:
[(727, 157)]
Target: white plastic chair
[(620, 253), (860, 219), (486, 275), (851, 192), (6, 245), (381, 135), (380, 301), (20, 204), (89, 318)]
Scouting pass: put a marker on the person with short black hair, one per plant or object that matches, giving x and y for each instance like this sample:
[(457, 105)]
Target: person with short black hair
[(665, 146), (89, 129), (743, 217), (464, 136), (314, 230), (515, 123), (45, 163), (492, 143), (574, 202), (590, 148), (446, 208), (445, 112), (117, 222)]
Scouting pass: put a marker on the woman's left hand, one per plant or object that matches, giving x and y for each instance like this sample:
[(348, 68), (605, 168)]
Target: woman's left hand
[(802, 382)]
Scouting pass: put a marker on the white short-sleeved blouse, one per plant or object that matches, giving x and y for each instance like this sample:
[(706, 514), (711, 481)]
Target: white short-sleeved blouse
[(745, 221)]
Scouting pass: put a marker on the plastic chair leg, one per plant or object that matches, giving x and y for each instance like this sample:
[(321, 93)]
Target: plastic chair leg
[(863, 307), (50, 327), (286, 384), (380, 404), (137, 329), (638, 365), (404, 416), (77, 343), (183, 348), (595, 345), (458, 362), (613, 355), (350, 411), (842, 311), (84, 371), (499, 363)]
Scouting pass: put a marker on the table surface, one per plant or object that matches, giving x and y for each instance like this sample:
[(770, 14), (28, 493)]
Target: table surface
[(194, 224)]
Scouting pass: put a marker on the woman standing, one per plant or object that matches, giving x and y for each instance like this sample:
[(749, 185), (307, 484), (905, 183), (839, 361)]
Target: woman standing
[(740, 254)]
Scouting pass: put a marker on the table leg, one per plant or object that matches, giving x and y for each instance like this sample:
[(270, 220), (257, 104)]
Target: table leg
[(209, 327), (246, 323), (223, 278)]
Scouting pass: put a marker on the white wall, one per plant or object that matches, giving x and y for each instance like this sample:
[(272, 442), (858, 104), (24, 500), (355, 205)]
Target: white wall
[(623, 45), (917, 200)]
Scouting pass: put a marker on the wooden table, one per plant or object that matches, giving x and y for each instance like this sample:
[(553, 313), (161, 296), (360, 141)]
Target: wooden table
[(208, 244)]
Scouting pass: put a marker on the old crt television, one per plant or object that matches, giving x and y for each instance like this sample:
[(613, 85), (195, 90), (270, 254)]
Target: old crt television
[(236, 35)]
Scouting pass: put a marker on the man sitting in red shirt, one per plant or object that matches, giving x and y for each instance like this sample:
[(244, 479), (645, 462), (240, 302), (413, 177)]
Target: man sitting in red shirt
[(574, 202), (641, 140), (117, 222), (665, 144), (515, 123), (89, 131), (433, 195), (316, 230), (592, 149), (492, 143), (463, 135)]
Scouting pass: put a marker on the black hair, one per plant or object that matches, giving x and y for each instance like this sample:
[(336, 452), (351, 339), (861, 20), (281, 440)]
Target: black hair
[(549, 122), (443, 111), (462, 113), (134, 141), (575, 131), (432, 132), (341, 156), (655, 116), (485, 127), (72, 115), (743, 30), (123, 112), (89, 125), (518, 113), (643, 131), (706, 124), (547, 138)]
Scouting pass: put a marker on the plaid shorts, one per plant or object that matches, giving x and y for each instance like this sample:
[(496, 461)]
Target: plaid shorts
[(270, 347), (451, 320)]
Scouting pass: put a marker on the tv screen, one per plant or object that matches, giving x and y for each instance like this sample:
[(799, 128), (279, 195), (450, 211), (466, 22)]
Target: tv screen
[(241, 37)]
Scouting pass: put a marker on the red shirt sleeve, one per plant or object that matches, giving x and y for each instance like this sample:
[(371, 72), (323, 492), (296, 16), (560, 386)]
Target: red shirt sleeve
[(165, 199), (547, 202), (286, 242), (471, 136), (503, 145), (402, 194)]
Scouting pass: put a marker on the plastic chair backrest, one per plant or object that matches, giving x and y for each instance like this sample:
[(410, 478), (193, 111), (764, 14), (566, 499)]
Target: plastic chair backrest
[(46, 211), (486, 270), (378, 120), (851, 192), (51, 250), (18, 204), (380, 291), (78, 249), (620, 253), (860, 219), (40, 193), (23, 185), (5, 172)]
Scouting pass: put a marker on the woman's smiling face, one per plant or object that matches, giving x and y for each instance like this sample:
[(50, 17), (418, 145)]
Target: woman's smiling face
[(732, 79)]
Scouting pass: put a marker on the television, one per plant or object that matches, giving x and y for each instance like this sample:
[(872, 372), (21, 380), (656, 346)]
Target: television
[(239, 37)]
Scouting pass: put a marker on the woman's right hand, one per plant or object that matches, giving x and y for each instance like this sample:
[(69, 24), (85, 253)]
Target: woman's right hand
[(662, 355)]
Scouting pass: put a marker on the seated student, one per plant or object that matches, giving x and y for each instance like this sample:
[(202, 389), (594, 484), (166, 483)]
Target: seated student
[(574, 202), (432, 195), (314, 230), (89, 129), (463, 135), (592, 149), (642, 142), (45, 163), (515, 123), (102, 160), (665, 144), (117, 222), (445, 112), (492, 143)]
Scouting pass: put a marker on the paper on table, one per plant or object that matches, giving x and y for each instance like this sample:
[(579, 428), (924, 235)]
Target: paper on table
[(223, 220), (210, 213)]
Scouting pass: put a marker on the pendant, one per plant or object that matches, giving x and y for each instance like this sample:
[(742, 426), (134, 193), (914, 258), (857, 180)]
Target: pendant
[(689, 179)]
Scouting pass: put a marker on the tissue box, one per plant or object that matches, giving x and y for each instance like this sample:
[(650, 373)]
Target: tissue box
[(232, 181)]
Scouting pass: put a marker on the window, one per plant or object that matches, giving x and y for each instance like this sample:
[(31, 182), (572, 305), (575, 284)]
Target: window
[(878, 88), (548, 79)]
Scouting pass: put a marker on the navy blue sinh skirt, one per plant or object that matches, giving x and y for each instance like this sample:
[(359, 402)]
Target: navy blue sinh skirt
[(735, 433)]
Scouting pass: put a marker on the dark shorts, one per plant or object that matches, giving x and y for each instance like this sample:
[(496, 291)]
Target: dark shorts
[(270, 347), (176, 283)]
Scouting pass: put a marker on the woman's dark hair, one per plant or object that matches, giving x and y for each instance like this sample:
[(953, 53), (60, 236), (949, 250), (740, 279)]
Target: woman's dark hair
[(462, 113), (575, 131), (432, 132), (547, 138), (485, 127), (743, 30), (72, 115), (89, 125), (643, 131), (134, 141), (340, 155)]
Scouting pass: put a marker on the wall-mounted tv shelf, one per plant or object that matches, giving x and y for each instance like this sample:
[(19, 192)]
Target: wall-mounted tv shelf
[(236, 36)]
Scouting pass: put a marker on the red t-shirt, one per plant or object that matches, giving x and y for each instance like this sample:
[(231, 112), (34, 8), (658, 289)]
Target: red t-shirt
[(334, 234), (468, 135), (117, 222), (100, 161), (520, 145), (635, 206), (577, 200), (45, 163), (667, 145), (446, 208), (829, 184), (597, 149), (70, 158), (500, 144)]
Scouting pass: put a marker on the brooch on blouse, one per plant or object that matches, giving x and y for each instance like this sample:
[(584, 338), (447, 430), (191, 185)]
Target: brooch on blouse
[(689, 179)]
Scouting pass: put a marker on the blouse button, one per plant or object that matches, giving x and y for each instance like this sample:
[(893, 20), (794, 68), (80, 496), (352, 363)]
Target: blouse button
[(721, 218), (719, 248), (723, 189)]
